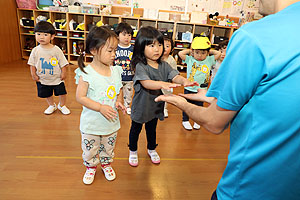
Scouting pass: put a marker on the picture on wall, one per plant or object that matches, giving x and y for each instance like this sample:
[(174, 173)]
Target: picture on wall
[(120, 2)]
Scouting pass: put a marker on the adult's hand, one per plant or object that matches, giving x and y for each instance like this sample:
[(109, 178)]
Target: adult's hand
[(199, 96), (176, 100)]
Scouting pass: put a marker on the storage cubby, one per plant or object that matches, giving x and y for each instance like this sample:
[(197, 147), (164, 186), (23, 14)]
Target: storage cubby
[(91, 20), (147, 22), (43, 13), (133, 22), (202, 29), (220, 34), (110, 20), (62, 43), (166, 28), (78, 18), (60, 21), (69, 35)]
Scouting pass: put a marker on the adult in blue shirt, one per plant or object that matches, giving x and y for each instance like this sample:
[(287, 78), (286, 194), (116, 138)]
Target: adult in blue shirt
[(257, 91)]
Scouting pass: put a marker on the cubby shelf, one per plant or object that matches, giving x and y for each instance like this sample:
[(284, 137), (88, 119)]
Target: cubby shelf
[(67, 37)]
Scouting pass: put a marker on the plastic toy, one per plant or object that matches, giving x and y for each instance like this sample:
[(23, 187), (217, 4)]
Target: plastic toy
[(213, 18), (60, 2), (229, 23)]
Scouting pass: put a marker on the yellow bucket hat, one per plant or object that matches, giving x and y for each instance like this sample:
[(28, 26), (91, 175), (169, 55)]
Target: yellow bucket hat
[(201, 43)]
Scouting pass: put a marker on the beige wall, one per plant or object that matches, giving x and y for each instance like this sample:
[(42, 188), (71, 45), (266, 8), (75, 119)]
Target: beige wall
[(9, 34)]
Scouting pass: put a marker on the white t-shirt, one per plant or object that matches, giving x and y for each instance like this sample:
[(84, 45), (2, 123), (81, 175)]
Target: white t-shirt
[(214, 70), (48, 63), (172, 62)]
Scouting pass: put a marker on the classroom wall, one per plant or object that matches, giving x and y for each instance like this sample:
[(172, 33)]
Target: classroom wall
[(224, 7), (9, 35)]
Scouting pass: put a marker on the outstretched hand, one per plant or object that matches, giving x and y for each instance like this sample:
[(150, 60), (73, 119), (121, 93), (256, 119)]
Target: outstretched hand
[(169, 86), (190, 84), (199, 96), (173, 99)]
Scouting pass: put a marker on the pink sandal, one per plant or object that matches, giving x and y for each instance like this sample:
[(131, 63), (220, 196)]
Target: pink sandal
[(133, 158), (154, 156)]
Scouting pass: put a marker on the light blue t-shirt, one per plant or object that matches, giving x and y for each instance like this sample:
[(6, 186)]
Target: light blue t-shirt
[(103, 90), (260, 78), (198, 70)]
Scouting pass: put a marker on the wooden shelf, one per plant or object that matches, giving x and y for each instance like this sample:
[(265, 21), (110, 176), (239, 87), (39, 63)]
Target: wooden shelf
[(175, 26), (76, 38), (180, 48), (63, 37), (31, 34)]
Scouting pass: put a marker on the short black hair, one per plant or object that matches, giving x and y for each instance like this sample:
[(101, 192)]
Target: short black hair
[(223, 44), (123, 27), (168, 38), (44, 27), (146, 35)]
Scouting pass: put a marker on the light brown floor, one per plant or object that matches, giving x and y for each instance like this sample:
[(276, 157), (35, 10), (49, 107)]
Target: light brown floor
[(41, 155)]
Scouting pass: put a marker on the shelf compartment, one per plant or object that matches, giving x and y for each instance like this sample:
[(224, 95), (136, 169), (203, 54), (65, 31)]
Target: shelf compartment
[(91, 20), (110, 20), (147, 22), (133, 22)]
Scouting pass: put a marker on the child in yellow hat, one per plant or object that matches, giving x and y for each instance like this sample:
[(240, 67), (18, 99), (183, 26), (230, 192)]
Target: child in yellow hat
[(199, 59)]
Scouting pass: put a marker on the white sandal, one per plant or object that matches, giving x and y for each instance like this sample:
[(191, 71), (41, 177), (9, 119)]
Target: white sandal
[(133, 158), (154, 156), (89, 175), (108, 172)]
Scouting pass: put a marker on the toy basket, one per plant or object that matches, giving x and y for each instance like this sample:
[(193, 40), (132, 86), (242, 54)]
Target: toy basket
[(29, 4), (41, 4)]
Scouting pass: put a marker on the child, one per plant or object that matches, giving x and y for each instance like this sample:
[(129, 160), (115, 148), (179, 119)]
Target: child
[(198, 68), (99, 91), (222, 48), (123, 58), (151, 75), (168, 45), (48, 68)]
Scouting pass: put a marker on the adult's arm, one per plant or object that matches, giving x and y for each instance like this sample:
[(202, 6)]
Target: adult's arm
[(213, 118)]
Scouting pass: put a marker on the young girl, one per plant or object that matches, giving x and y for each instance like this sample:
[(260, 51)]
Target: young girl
[(151, 75), (98, 91), (168, 46), (222, 48)]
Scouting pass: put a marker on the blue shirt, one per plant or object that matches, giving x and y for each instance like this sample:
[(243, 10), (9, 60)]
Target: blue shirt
[(198, 70), (259, 78), (123, 59)]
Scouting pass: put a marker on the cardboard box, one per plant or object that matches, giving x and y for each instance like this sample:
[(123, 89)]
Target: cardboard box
[(175, 17), (75, 9)]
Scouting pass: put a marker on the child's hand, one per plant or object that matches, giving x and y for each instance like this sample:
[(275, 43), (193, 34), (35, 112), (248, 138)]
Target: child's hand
[(62, 76), (188, 83), (121, 107), (108, 112), (169, 86), (36, 78)]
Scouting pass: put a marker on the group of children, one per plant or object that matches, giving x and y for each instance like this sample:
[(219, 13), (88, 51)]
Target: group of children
[(117, 69)]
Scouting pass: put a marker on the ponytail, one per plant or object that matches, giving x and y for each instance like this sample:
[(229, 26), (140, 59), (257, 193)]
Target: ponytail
[(95, 40), (80, 61)]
